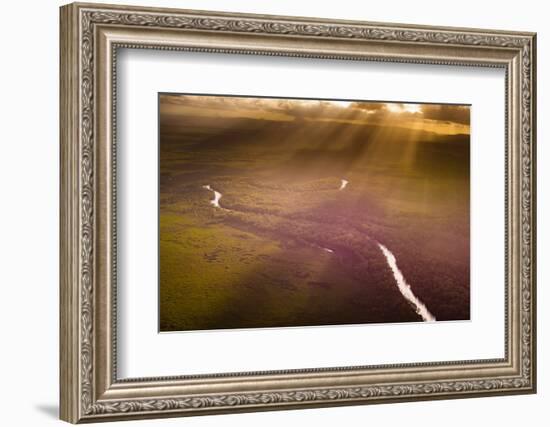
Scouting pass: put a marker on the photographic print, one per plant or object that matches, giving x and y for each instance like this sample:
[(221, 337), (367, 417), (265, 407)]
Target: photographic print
[(280, 212), (325, 208)]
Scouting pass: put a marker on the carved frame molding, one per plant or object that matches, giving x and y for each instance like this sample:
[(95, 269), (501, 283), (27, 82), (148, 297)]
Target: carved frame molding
[(90, 37)]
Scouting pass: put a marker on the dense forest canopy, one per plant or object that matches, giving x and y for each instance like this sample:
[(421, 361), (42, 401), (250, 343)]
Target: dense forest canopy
[(287, 246)]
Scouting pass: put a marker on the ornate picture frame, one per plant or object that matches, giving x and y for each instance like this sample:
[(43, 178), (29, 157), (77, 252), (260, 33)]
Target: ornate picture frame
[(90, 37)]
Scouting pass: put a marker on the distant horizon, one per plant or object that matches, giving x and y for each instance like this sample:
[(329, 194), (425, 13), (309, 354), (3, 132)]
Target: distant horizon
[(282, 212), (445, 113)]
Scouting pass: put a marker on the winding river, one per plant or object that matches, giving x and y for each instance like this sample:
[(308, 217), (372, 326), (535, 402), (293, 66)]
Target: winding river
[(404, 287), (344, 184), (402, 284), (217, 196)]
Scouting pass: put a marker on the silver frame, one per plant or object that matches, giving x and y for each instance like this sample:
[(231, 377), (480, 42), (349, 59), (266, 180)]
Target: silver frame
[(90, 37)]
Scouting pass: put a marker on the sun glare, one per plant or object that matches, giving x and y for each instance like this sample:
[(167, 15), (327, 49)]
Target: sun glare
[(390, 106), (394, 108), (411, 108), (341, 104), (402, 108)]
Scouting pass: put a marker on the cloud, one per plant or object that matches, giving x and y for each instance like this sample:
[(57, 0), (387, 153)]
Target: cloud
[(369, 106), (222, 107), (438, 118), (447, 113)]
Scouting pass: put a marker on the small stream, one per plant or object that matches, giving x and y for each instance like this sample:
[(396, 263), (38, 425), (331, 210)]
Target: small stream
[(217, 196), (344, 184), (404, 287), (402, 284)]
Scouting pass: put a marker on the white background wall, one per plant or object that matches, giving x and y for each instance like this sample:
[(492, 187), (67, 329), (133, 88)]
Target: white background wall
[(29, 170)]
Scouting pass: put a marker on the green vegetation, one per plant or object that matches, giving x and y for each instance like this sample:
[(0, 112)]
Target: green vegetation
[(263, 259)]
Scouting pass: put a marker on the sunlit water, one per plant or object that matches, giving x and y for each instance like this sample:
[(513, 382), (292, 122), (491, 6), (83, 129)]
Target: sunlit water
[(402, 284), (217, 196), (343, 184), (404, 287)]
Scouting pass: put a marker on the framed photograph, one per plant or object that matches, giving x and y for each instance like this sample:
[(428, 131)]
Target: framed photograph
[(265, 212)]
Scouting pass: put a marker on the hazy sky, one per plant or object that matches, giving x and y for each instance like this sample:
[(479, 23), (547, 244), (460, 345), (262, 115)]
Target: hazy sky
[(442, 119)]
